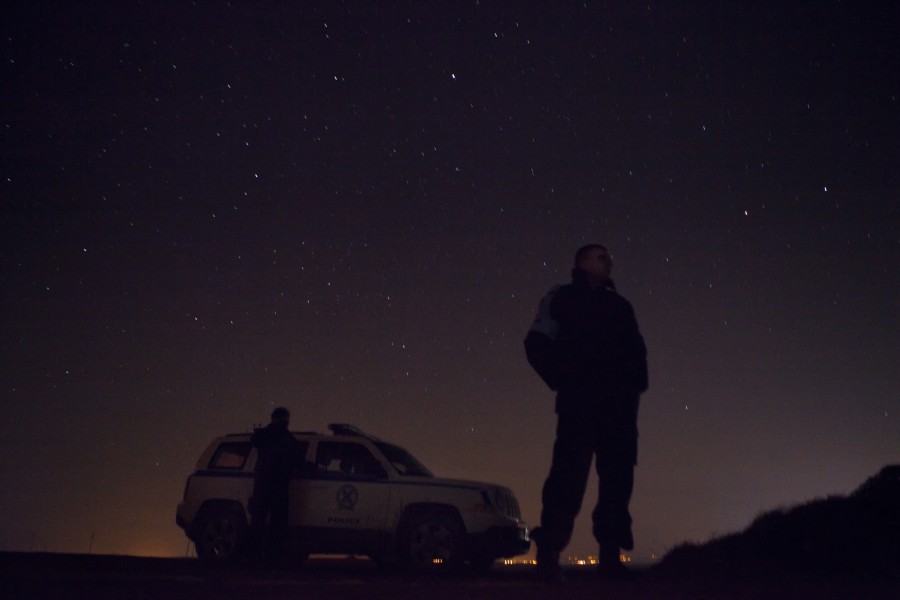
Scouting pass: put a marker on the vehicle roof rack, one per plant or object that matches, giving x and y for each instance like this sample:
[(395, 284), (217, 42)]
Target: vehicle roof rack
[(353, 430)]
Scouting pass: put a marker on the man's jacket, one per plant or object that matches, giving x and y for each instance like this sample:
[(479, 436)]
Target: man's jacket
[(585, 344)]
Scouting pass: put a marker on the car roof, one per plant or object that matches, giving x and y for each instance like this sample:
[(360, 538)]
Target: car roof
[(337, 430)]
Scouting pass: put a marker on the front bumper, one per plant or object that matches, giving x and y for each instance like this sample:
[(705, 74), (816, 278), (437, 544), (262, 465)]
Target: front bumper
[(181, 518), (500, 541)]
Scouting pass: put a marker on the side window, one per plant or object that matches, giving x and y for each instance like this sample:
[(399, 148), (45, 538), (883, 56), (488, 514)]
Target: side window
[(230, 456), (341, 460), (304, 469)]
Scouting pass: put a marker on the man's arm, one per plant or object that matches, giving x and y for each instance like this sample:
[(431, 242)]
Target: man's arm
[(540, 343), (636, 354), (541, 354)]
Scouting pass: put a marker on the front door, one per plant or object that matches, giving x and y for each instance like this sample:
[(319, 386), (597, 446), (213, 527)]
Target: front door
[(342, 505)]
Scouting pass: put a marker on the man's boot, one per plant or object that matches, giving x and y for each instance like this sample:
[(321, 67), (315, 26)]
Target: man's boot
[(548, 568), (609, 565)]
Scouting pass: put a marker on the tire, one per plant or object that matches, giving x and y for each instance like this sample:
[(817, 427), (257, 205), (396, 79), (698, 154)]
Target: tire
[(385, 564), (432, 540), (481, 564), (220, 532)]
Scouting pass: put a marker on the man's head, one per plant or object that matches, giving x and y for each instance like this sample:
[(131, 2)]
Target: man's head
[(594, 263), (281, 416)]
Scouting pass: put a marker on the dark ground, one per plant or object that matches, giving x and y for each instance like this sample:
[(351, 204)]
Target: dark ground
[(831, 548), (49, 576)]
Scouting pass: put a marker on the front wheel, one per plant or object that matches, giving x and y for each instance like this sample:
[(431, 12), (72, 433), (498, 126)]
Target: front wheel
[(432, 540), (482, 564), (220, 530)]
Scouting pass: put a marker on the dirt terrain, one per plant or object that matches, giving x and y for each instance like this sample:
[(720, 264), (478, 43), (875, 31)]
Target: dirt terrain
[(49, 576)]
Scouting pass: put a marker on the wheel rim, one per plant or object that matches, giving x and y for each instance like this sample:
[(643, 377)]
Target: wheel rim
[(430, 543), (219, 537)]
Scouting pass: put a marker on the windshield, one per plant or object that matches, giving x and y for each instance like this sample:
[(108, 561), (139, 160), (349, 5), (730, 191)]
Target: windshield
[(403, 461)]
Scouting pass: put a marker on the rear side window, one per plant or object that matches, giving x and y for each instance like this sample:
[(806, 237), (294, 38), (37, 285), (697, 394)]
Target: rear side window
[(347, 460), (230, 456)]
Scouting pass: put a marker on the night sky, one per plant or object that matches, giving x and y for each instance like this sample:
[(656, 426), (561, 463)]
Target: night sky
[(353, 208)]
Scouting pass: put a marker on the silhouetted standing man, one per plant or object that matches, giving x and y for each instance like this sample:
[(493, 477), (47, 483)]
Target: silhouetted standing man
[(278, 452), (585, 344)]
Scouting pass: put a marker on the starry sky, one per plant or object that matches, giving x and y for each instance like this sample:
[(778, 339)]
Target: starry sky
[(353, 208)]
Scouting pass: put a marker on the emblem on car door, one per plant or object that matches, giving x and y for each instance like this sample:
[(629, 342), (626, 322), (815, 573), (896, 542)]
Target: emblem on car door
[(347, 497)]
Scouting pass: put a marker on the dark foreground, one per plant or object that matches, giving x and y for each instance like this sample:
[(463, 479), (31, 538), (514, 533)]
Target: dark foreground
[(40, 576)]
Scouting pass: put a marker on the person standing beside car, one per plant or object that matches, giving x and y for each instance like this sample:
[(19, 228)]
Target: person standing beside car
[(278, 452), (585, 344)]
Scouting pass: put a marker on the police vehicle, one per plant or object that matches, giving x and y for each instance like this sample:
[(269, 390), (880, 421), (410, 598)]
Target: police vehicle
[(357, 495)]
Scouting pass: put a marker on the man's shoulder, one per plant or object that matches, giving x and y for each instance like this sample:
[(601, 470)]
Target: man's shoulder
[(560, 295), (561, 289), (553, 295), (554, 290), (572, 292), (259, 435), (619, 297)]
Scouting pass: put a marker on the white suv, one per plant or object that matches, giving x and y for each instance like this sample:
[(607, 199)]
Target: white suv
[(357, 495)]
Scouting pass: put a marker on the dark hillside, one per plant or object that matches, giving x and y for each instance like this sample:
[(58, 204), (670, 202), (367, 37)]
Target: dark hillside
[(839, 537)]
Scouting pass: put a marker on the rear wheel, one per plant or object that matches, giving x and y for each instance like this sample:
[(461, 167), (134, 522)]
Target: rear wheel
[(220, 530), (432, 540)]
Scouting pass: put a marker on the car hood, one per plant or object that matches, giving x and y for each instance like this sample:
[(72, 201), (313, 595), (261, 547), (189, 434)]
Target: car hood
[(454, 483)]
